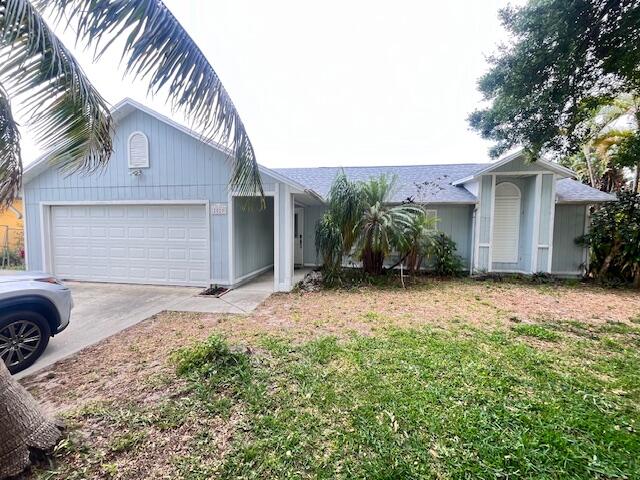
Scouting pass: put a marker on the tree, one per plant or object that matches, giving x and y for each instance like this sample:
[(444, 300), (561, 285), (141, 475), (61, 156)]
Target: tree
[(24, 417), (566, 58), (329, 244), (381, 224), (71, 120), (614, 239), (417, 239), (335, 232), (68, 116)]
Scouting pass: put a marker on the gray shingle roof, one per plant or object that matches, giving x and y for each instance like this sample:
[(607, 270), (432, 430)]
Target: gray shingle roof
[(569, 190), (428, 183), (434, 180)]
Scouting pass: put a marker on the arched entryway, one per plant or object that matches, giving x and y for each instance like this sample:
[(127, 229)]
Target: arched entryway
[(506, 223)]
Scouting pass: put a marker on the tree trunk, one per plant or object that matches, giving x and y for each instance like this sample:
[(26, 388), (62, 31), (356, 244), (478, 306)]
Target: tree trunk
[(372, 262), (606, 264), (587, 156), (23, 426), (636, 186)]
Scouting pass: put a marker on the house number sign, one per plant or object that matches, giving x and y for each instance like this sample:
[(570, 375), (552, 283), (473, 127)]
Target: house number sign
[(218, 209)]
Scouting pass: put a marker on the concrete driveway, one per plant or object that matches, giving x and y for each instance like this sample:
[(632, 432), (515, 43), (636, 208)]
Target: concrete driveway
[(102, 309)]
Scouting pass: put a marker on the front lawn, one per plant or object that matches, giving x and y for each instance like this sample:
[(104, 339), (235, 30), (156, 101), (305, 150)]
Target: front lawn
[(456, 379)]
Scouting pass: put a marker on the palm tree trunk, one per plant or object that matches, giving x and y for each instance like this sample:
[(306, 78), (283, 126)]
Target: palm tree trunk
[(587, 157), (24, 426)]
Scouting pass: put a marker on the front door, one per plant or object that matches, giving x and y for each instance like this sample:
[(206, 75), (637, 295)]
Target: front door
[(298, 228)]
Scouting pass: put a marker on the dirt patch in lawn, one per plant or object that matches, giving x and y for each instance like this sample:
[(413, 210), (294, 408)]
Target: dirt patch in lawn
[(434, 303)]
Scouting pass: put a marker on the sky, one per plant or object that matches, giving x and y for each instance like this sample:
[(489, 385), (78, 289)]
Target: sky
[(335, 83)]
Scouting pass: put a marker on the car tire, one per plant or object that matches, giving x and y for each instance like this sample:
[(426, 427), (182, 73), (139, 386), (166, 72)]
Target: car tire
[(20, 326)]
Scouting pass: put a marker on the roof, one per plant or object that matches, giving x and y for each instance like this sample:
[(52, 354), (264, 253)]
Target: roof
[(572, 191), (431, 183), (422, 183), (492, 166)]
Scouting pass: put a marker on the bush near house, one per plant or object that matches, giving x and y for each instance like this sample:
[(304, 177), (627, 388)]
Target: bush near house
[(614, 240)]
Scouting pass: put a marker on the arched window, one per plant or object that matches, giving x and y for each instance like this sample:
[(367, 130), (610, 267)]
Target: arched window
[(506, 223), (138, 148)]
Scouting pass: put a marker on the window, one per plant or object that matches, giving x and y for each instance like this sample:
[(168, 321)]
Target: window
[(138, 149), (433, 214)]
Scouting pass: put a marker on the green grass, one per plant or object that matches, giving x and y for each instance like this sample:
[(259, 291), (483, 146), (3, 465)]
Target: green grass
[(424, 403), (534, 330), (431, 404)]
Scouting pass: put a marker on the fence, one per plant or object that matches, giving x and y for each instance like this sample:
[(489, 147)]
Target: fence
[(11, 247)]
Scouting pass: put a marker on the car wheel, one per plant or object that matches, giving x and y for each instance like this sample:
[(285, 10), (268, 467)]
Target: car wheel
[(23, 337)]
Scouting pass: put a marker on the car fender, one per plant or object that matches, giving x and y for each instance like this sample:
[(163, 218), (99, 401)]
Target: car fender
[(36, 303)]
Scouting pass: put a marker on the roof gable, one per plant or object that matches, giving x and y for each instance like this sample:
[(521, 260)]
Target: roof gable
[(128, 106), (517, 163)]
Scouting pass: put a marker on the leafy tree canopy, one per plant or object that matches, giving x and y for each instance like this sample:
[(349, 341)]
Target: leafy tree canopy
[(567, 57), (614, 239)]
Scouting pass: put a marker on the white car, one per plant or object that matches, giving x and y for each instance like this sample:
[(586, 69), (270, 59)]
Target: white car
[(34, 306)]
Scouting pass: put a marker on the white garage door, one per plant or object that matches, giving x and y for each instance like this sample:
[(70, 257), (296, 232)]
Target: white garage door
[(155, 244)]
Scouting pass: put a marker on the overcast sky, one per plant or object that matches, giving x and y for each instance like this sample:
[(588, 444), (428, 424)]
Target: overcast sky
[(357, 82)]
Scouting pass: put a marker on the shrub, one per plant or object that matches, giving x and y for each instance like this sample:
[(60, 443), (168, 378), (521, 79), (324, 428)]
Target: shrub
[(442, 252)]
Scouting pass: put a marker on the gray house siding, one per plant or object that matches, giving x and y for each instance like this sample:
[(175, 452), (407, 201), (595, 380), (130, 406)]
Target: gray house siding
[(181, 168), (568, 257), (455, 221), (252, 236), (312, 216)]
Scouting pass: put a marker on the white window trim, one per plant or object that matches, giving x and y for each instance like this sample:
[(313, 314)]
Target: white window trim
[(146, 140)]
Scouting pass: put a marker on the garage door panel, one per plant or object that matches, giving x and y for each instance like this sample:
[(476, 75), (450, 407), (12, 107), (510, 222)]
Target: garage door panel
[(166, 244)]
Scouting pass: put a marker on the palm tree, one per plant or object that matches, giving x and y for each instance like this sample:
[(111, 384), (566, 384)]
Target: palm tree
[(416, 240), (609, 125), (381, 224), (69, 117), (71, 120), (345, 206)]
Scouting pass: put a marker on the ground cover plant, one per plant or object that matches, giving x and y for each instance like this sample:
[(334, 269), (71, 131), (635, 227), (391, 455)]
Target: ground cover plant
[(444, 379)]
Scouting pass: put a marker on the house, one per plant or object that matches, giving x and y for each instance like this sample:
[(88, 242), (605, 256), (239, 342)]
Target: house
[(11, 226), (162, 213)]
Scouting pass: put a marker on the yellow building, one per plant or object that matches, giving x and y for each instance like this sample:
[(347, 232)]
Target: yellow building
[(11, 226)]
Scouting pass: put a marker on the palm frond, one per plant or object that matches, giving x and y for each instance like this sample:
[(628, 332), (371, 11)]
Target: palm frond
[(346, 207), (606, 140), (159, 49), (380, 189), (68, 116), (10, 160), (329, 242)]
